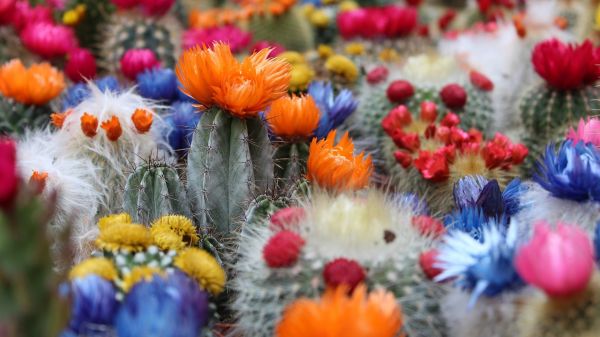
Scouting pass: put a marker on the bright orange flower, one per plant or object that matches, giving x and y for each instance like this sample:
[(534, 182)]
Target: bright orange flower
[(58, 118), (337, 315), (212, 76), (335, 166), (276, 8), (89, 125), (142, 120), (38, 180), (293, 117), (37, 85), (113, 128)]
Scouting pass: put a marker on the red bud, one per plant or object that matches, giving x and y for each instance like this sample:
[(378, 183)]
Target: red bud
[(454, 96), (481, 81), (428, 111), (403, 158), (399, 91)]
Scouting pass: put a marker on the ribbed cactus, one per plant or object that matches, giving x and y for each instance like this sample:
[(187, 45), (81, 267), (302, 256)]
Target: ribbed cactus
[(229, 162), (15, 117), (290, 162), (154, 190), (290, 29)]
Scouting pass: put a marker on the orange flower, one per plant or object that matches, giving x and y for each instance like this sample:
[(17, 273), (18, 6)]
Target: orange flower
[(38, 181), (58, 118), (335, 166), (293, 117), (89, 125), (113, 128), (212, 76), (337, 315), (37, 85), (142, 120)]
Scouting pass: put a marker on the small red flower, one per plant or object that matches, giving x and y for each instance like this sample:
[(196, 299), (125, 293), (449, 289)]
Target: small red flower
[(343, 272), (433, 166), (38, 181), (428, 111), (446, 19), (377, 75), (454, 96), (9, 178), (403, 158), (451, 119), (282, 249), (481, 81), (429, 226), (399, 91), (113, 128), (81, 65), (475, 136), (519, 153), (458, 136), (497, 152), (89, 125), (135, 61), (287, 218), (427, 261), (442, 133), (396, 119), (407, 141)]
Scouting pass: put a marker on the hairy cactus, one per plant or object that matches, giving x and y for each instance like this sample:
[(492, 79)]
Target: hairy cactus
[(290, 162), (229, 162), (15, 117), (153, 191), (290, 29)]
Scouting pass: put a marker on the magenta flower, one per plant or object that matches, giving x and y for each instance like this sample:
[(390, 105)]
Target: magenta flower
[(276, 48), (81, 65), (156, 7), (588, 132), (7, 8), (58, 4), (24, 15), (9, 179), (560, 262), (125, 4), (135, 61), (48, 40), (237, 39)]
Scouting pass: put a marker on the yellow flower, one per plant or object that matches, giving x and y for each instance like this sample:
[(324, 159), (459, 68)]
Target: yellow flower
[(342, 66), (126, 236), (301, 76), (114, 219), (325, 51), (174, 232), (202, 267), (100, 266), (308, 9), (348, 6), (355, 48), (292, 57), (319, 18), (74, 16), (597, 18), (388, 55), (138, 274)]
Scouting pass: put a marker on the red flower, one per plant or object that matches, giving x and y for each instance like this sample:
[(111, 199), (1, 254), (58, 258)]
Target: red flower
[(156, 7), (135, 61), (48, 40), (350, 22), (287, 218), (81, 65), (451, 119), (427, 261), (564, 67), (428, 111), (407, 141), (377, 75), (454, 96), (125, 4), (442, 133), (481, 81), (343, 272), (497, 152), (282, 249), (446, 19), (423, 31), (7, 7), (24, 14), (403, 158), (458, 136), (9, 179), (428, 226), (396, 119), (401, 21), (433, 166), (399, 91), (519, 153), (475, 136)]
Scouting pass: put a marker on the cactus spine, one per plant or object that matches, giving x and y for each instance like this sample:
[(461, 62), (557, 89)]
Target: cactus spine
[(229, 162), (290, 162)]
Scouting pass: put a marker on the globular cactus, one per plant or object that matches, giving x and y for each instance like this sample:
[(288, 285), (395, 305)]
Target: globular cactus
[(290, 29), (264, 206), (15, 117), (290, 162), (154, 190), (229, 162), (89, 26)]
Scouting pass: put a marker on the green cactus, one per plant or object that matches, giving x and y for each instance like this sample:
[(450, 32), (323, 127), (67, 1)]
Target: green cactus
[(290, 162), (15, 117), (290, 29), (264, 206), (152, 191), (229, 162), (89, 31)]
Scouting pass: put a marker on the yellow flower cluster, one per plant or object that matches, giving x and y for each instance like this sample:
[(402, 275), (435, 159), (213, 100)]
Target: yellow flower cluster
[(118, 233), (174, 232), (342, 66), (301, 74), (203, 267), (139, 274), (94, 266)]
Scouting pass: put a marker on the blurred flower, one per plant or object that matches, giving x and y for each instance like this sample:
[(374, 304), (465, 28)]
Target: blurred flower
[(454, 96), (113, 128), (377, 75), (325, 51), (9, 178), (164, 307), (158, 84), (560, 262), (400, 91), (286, 218), (236, 38), (215, 77), (564, 67), (89, 125), (467, 190), (140, 274), (370, 22), (58, 118), (481, 81), (276, 48), (319, 18), (93, 303), (136, 61), (294, 117), (335, 166), (428, 262), (343, 272), (283, 249), (74, 16), (37, 181), (588, 132), (342, 66), (108, 83), (182, 122), (112, 220), (484, 267), (7, 7), (37, 85), (334, 109), (174, 232), (292, 57), (571, 172), (469, 220), (428, 226), (300, 76), (77, 93), (126, 237), (125, 4), (81, 65), (24, 14), (142, 120), (98, 266), (202, 267), (360, 315), (156, 7), (48, 40)]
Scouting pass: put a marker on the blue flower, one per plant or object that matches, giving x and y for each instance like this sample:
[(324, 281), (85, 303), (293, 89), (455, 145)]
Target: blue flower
[(467, 189), (77, 93), (512, 197), (597, 242), (476, 191), (484, 267), (334, 110), (572, 172), (94, 304), (158, 84), (108, 83), (182, 122), (469, 220), (171, 307)]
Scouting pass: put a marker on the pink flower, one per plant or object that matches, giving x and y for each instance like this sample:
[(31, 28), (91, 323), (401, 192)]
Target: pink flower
[(156, 7), (276, 48), (49, 40), (9, 179), (377, 75), (7, 9), (24, 15), (58, 4), (235, 37), (81, 65), (560, 262), (588, 132), (564, 66), (350, 22), (371, 22), (401, 21), (135, 61), (125, 4)]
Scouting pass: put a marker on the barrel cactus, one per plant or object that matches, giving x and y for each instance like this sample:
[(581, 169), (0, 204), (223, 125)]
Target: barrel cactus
[(290, 29)]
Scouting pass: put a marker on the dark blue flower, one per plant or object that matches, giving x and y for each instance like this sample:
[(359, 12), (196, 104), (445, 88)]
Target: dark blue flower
[(469, 220), (171, 307), (476, 191), (572, 172), (512, 197), (108, 83), (467, 189), (94, 303), (159, 84), (182, 122), (597, 242), (74, 95), (334, 110)]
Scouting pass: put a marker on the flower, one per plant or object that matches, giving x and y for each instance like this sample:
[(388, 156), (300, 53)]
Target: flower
[(58, 118), (140, 274), (93, 303), (113, 128), (163, 307), (360, 315), (300, 76), (334, 109), (276, 48), (467, 190), (98, 266), (325, 51), (81, 65), (481, 81), (156, 7), (293, 117), (564, 67), (142, 120), (9, 178), (428, 226), (89, 125), (484, 266), (335, 166), (48, 39), (342, 66), (23, 14), (292, 57), (433, 165), (236, 38), (202, 267), (388, 21), (399, 91), (454, 96), (74, 16), (428, 261), (127, 237), (37, 85), (125, 4), (6, 8), (319, 18), (174, 232), (182, 121), (136, 61), (355, 48), (215, 77), (560, 262), (158, 84), (286, 218), (571, 172), (588, 132), (343, 272), (38, 181), (113, 219), (377, 75), (283, 249)]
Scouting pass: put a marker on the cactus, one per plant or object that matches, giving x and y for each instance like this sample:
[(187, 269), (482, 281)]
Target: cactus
[(290, 29), (15, 117), (262, 207), (154, 190), (290, 162), (12, 47), (97, 14), (229, 162)]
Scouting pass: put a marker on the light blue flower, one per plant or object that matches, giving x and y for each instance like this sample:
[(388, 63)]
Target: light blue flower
[(108, 83), (158, 84), (334, 109), (182, 122), (469, 220), (467, 189), (94, 304), (477, 191), (77, 93)]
